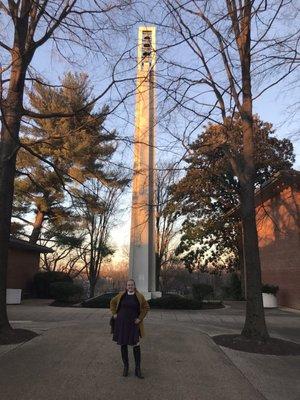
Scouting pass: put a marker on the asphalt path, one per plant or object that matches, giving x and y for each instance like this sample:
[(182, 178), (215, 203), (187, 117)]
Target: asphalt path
[(74, 357)]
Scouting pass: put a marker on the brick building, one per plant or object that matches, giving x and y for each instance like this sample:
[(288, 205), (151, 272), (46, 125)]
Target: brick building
[(23, 263), (278, 227)]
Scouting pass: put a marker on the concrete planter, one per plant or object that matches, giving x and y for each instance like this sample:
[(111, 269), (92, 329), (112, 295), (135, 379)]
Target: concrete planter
[(156, 295), (13, 296), (269, 300)]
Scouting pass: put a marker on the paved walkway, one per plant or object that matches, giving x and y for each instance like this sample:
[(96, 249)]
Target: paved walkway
[(74, 357)]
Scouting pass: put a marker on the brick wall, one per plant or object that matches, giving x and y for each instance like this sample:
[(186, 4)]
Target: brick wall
[(22, 265), (278, 225)]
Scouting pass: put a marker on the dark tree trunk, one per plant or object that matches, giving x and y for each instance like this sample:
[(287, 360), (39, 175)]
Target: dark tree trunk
[(92, 276), (9, 145), (37, 227), (157, 271), (241, 266), (255, 326), (12, 108), (6, 198), (92, 288)]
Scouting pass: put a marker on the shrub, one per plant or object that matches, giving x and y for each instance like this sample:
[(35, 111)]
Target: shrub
[(43, 280), (66, 292), (234, 290), (101, 301), (173, 301), (202, 291), (169, 301), (236, 287), (272, 289)]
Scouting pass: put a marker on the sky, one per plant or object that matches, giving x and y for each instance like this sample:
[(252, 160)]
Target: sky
[(274, 106)]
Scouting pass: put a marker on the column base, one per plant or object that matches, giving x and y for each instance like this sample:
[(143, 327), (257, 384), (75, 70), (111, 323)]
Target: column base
[(156, 295), (147, 295), (151, 295)]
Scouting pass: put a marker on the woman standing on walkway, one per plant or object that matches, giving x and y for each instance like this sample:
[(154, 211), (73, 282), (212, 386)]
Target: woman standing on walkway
[(129, 308)]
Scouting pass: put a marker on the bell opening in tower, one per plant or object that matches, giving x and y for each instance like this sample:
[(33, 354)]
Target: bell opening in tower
[(146, 46)]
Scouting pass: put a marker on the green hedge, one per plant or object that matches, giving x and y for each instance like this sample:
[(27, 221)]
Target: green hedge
[(175, 302), (43, 280), (66, 292), (169, 301), (101, 301), (202, 291), (271, 289), (234, 290)]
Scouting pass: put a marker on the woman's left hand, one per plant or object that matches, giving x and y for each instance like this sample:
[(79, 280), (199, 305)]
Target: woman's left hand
[(137, 321)]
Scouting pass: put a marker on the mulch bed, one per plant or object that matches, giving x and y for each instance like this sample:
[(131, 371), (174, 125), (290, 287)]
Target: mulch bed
[(272, 346), (15, 336), (57, 303), (210, 306)]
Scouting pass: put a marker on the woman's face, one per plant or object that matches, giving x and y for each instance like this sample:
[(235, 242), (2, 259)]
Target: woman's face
[(130, 286)]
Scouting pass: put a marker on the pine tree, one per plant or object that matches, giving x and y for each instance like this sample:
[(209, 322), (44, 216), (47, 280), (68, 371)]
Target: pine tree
[(59, 153)]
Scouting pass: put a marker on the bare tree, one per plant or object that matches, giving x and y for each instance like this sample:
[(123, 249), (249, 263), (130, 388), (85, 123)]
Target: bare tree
[(234, 52), (167, 216), (96, 212), (115, 275), (72, 27), (66, 257)]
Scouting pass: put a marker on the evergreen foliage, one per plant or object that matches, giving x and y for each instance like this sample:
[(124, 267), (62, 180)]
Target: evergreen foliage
[(65, 177), (43, 280), (174, 301), (272, 289), (234, 290), (60, 153), (66, 292), (202, 291), (211, 238)]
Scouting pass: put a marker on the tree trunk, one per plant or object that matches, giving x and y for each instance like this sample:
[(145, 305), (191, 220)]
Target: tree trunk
[(157, 272), (92, 288), (11, 120), (37, 227), (255, 326), (241, 260), (6, 198), (9, 145), (92, 277)]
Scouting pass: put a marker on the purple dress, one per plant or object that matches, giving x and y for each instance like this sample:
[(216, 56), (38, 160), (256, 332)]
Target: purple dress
[(125, 330)]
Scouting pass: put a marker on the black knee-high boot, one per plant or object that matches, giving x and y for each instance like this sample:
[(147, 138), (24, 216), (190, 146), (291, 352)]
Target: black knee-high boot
[(137, 359), (124, 352)]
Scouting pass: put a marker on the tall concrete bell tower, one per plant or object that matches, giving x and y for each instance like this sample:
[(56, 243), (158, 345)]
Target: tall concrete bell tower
[(142, 266)]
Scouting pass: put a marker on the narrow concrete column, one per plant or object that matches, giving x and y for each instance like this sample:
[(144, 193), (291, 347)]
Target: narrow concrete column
[(142, 239)]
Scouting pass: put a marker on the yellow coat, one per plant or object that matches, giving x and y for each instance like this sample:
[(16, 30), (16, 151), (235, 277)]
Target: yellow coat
[(144, 307)]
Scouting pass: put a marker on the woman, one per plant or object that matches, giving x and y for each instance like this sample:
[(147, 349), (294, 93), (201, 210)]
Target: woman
[(129, 308)]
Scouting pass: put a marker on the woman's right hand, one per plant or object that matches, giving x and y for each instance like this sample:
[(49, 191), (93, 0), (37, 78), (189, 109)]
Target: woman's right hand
[(115, 316)]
